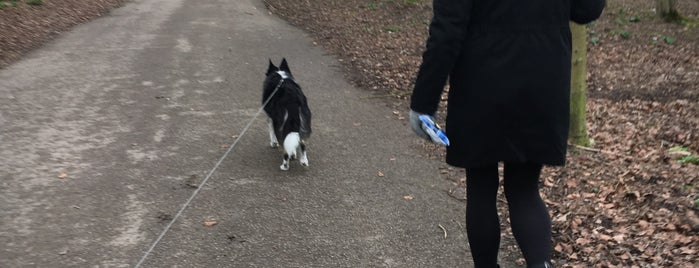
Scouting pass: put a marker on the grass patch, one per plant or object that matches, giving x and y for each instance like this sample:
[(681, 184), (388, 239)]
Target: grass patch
[(371, 5), (669, 40), (413, 2), (392, 28), (683, 155), (625, 34), (10, 3), (35, 2), (690, 159)]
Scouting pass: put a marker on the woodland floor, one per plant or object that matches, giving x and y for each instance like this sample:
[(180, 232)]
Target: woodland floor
[(630, 200)]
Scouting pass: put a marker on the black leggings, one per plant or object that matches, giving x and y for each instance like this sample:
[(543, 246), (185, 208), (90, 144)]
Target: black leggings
[(529, 217)]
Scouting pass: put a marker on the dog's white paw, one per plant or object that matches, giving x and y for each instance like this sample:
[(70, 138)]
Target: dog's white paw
[(284, 167), (274, 144), (304, 160)]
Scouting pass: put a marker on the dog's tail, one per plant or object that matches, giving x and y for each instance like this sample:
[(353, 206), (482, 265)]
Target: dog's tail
[(291, 142)]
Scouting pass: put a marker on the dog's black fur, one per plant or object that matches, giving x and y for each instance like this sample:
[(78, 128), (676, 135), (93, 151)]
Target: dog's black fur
[(287, 110)]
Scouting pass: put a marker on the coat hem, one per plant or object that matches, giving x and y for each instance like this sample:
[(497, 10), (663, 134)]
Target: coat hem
[(473, 164)]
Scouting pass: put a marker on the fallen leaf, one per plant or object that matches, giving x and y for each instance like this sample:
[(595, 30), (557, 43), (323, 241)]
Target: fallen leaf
[(582, 241), (619, 238), (643, 224), (688, 251), (571, 183), (558, 248), (548, 182), (561, 218), (210, 223)]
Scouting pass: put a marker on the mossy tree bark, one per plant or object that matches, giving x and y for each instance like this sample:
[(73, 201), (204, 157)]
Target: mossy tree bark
[(667, 11), (578, 125)]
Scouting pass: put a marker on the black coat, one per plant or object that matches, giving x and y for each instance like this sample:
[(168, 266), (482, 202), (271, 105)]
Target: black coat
[(508, 64)]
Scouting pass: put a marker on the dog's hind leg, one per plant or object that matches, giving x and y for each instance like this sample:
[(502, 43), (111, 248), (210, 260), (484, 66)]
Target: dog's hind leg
[(304, 156), (273, 142), (285, 162)]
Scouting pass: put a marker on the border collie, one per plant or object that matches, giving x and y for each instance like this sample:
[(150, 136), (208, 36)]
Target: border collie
[(289, 117)]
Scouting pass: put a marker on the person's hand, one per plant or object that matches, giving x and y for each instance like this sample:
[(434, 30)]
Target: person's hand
[(416, 125)]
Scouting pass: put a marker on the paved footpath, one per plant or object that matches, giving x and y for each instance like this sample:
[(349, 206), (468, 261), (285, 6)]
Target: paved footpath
[(108, 130)]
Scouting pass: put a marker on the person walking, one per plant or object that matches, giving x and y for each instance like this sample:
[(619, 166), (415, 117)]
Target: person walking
[(508, 65)]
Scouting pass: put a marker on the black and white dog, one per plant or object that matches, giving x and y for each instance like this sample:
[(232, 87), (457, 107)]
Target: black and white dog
[(288, 112)]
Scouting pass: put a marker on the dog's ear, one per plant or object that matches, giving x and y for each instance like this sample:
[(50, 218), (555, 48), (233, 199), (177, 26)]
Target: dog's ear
[(271, 68), (284, 66)]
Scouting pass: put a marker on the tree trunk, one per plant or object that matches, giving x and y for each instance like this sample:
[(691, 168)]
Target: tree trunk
[(667, 11), (578, 126)]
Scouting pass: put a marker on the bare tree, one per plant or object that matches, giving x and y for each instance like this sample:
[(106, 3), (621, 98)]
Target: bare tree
[(667, 10), (578, 87)]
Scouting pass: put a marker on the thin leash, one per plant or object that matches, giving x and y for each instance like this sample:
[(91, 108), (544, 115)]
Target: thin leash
[(208, 176)]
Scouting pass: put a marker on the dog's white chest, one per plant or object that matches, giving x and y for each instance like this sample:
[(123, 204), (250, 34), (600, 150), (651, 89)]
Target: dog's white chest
[(284, 74)]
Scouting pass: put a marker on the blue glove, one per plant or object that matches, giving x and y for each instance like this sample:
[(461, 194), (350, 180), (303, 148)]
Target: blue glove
[(424, 126), (416, 125)]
